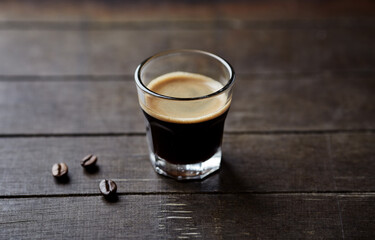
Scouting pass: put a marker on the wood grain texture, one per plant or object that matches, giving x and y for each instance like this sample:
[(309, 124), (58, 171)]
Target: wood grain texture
[(41, 53), (261, 103), (252, 163), (73, 107), (353, 169), (98, 10), (118, 52), (173, 217), (341, 101), (358, 216), (249, 51), (299, 144)]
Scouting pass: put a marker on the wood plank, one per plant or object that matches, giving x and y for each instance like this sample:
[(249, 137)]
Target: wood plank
[(70, 10), (70, 107), (264, 103), (249, 51), (358, 216), (42, 53), (118, 52), (318, 102), (183, 216), (251, 163), (353, 169)]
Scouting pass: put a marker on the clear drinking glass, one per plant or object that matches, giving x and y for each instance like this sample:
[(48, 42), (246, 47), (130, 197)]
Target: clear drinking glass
[(185, 96)]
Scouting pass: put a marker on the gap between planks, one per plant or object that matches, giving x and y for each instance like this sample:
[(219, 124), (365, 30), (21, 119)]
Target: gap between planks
[(212, 24), (297, 76), (131, 134), (273, 193)]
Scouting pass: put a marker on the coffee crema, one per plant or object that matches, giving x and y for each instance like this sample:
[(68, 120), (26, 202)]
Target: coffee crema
[(185, 85)]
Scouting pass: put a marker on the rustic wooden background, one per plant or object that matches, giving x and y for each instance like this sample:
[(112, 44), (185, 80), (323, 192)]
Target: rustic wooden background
[(299, 145)]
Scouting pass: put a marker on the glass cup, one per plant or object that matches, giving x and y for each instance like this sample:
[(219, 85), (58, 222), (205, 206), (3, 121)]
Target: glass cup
[(185, 96)]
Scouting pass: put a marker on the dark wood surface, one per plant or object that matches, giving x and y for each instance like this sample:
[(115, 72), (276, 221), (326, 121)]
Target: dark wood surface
[(93, 105), (299, 142), (269, 49), (252, 163)]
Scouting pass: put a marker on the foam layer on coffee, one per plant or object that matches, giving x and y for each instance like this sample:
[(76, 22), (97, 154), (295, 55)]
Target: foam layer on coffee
[(185, 85)]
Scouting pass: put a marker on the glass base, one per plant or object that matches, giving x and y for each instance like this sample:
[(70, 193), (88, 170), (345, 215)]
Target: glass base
[(186, 171)]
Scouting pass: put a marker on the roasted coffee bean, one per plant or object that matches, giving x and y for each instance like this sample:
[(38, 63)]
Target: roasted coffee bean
[(89, 161), (59, 169), (108, 187)]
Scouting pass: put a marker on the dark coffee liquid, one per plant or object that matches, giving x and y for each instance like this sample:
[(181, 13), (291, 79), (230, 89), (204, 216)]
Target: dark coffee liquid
[(185, 143), (185, 132)]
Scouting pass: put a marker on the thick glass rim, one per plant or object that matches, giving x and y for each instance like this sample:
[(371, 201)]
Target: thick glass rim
[(137, 74)]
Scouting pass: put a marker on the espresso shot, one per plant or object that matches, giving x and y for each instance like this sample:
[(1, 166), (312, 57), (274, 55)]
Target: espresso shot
[(185, 97), (185, 132)]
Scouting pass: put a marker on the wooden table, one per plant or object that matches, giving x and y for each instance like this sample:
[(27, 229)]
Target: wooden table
[(299, 141)]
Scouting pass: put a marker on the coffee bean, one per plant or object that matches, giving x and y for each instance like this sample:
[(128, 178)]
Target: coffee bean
[(59, 169), (107, 187), (89, 161)]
